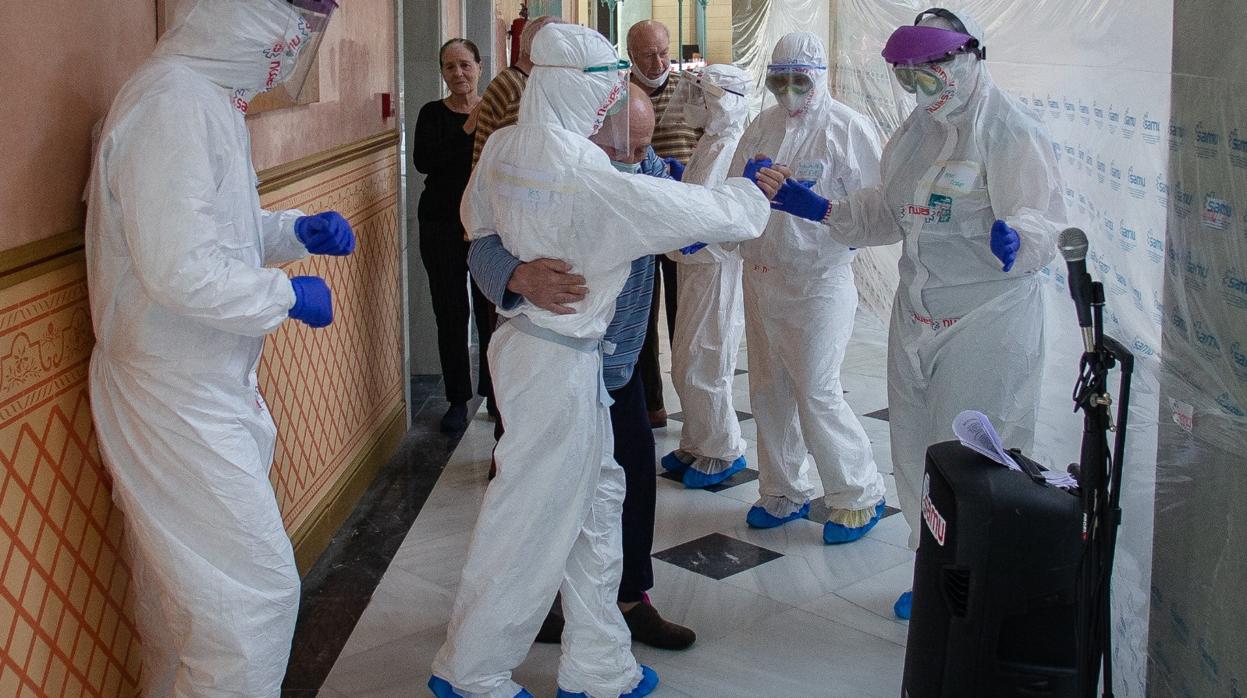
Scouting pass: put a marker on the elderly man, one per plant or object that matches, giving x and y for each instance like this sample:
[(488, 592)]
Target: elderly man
[(648, 43), (506, 282), (500, 104), (551, 519)]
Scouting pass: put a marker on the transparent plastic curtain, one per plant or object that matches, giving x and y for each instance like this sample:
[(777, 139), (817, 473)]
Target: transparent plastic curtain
[(1102, 99), (1198, 639)]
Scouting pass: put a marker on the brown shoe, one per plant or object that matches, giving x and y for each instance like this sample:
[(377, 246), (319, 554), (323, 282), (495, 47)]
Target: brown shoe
[(649, 628), (657, 419)]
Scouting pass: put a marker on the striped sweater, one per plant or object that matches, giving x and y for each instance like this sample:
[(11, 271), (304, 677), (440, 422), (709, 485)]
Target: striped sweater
[(500, 106), (673, 139)]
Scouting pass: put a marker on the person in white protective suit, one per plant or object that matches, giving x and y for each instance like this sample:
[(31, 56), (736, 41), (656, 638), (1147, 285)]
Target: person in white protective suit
[(176, 244), (550, 520), (800, 301), (711, 321), (971, 187)]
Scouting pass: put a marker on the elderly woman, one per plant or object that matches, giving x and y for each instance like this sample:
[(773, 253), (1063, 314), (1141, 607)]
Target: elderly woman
[(442, 150)]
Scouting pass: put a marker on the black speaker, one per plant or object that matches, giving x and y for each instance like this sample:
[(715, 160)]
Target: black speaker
[(994, 608)]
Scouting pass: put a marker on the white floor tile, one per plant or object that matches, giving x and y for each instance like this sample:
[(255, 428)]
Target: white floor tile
[(795, 653), (878, 593), (815, 622)]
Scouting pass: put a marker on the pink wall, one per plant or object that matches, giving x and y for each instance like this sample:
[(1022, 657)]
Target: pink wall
[(356, 66), (63, 62)]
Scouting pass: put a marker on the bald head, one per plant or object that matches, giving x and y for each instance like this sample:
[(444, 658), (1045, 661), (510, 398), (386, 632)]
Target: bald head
[(525, 60), (640, 130), (648, 43)]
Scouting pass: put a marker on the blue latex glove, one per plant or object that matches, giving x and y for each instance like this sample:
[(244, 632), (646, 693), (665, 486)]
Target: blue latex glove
[(325, 233), (676, 168), (1005, 244), (801, 201), (692, 248), (752, 167), (313, 302)]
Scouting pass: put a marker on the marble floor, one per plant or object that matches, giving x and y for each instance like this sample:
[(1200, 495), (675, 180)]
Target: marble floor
[(777, 613)]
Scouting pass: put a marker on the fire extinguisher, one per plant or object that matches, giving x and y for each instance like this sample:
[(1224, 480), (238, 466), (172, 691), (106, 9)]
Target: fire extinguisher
[(517, 27)]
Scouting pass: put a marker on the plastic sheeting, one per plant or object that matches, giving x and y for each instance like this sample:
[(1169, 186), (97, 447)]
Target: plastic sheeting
[(1152, 143), (1198, 635)]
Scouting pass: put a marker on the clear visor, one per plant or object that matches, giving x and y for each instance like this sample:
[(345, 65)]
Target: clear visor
[(302, 46), (692, 94), (613, 137)]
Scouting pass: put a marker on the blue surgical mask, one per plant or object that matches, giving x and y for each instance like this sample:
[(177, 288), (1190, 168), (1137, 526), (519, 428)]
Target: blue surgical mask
[(627, 168)]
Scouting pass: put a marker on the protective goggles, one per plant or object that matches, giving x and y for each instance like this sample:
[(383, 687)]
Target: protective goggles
[(916, 78), (620, 65), (790, 80)]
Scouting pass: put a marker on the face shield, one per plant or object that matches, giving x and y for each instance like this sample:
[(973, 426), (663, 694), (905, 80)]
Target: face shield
[(793, 84), (920, 54), (690, 104), (612, 135), (291, 61)]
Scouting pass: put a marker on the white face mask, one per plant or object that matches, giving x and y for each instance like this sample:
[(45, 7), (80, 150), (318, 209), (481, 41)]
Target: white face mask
[(627, 167), (938, 101), (794, 103), (651, 83)]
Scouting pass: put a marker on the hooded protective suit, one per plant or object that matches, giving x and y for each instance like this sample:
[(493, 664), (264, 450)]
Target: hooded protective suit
[(800, 301), (176, 242), (711, 321), (964, 335), (551, 518)]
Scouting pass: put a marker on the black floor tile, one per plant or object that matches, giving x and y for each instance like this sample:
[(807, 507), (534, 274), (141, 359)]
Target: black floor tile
[(740, 478), (878, 414), (818, 512), (717, 556)]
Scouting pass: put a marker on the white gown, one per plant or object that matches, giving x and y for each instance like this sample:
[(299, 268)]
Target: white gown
[(551, 519), (800, 301), (176, 245)]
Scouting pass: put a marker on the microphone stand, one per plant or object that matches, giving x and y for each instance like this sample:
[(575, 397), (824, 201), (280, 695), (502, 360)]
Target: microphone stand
[(1099, 477)]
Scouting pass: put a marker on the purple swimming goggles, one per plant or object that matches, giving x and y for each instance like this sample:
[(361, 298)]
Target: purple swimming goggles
[(914, 45)]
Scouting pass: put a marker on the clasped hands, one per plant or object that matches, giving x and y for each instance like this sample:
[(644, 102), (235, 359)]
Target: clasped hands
[(785, 193)]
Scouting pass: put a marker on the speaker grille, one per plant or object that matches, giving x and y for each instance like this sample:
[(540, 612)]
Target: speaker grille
[(957, 590)]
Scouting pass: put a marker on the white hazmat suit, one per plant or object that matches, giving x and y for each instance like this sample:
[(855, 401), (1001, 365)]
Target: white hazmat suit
[(964, 335), (800, 301), (551, 519), (176, 242), (711, 321)]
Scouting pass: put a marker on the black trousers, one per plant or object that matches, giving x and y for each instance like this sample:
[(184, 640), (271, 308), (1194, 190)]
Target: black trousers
[(634, 451), (444, 253), (647, 364)]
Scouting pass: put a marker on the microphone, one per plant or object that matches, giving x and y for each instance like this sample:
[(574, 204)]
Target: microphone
[(1073, 246)]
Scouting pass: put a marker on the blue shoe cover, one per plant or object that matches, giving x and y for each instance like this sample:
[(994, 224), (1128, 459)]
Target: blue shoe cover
[(672, 462), (442, 689), (649, 681), (761, 518), (836, 534), (695, 479), (904, 606)]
